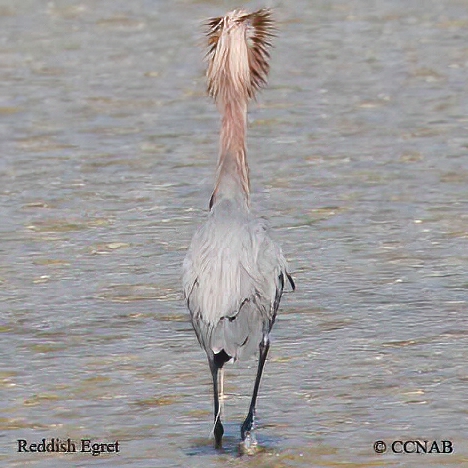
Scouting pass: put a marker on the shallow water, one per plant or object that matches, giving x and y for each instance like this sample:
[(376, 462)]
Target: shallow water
[(358, 156)]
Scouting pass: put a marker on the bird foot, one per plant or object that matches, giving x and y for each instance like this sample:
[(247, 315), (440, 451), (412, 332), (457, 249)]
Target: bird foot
[(249, 441), (249, 445), (218, 432), (248, 425)]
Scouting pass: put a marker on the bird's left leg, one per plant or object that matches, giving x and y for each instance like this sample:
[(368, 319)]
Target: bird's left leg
[(247, 426), (218, 429), (221, 392)]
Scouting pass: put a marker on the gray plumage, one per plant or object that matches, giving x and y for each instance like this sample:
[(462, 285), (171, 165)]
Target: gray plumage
[(233, 274), (233, 280)]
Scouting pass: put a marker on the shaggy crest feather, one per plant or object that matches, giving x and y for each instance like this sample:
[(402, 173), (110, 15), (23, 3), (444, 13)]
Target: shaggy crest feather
[(238, 53)]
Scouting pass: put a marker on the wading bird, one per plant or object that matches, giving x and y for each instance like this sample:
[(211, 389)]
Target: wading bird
[(233, 274)]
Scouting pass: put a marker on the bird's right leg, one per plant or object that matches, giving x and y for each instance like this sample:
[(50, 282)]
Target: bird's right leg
[(248, 437), (218, 429)]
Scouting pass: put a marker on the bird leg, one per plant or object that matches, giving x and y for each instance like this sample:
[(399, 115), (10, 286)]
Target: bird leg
[(221, 385), (218, 429), (221, 392), (248, 425)]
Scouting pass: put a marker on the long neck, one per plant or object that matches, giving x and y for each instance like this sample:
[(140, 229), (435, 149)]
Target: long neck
[(238, 66), (232, 178)]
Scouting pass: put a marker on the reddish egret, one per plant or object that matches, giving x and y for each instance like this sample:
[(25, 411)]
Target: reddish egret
[(233, 274)]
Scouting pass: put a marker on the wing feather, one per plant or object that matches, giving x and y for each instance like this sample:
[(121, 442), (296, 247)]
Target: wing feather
[(233, 282)]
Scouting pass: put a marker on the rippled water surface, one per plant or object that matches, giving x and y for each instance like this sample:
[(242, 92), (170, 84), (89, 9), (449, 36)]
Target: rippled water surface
[(358, 154)]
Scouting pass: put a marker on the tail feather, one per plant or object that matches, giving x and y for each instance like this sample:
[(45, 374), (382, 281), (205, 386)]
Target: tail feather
[(238, 54), (239, 336)]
